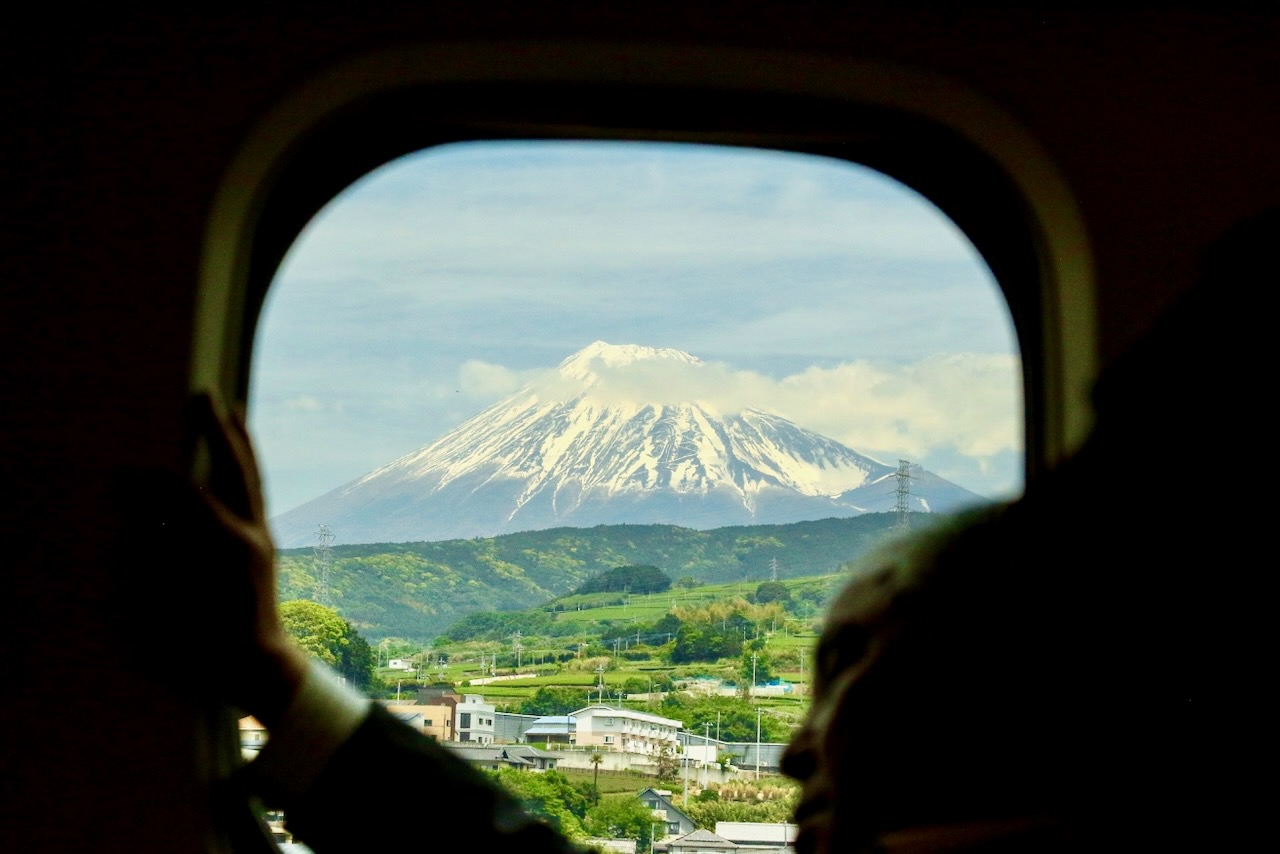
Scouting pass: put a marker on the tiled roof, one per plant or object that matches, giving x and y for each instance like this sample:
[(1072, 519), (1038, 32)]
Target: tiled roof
[(704, 839)]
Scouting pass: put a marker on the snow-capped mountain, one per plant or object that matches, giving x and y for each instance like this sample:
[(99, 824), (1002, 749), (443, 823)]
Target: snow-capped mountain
[(583, 448)]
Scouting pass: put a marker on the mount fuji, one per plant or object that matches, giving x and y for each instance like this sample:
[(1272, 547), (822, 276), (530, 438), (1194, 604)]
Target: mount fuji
[(587, 447)]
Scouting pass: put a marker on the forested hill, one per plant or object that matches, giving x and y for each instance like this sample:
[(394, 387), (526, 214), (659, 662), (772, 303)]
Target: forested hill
[(415, 590)]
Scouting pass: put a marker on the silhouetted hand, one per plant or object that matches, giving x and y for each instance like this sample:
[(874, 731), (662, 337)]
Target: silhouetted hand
[(206, 589)]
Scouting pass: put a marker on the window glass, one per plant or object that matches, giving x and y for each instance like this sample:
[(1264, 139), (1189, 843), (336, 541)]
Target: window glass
[(494, 338)]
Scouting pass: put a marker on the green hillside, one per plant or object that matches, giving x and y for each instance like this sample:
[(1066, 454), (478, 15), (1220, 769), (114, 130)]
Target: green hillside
[(416, 590)]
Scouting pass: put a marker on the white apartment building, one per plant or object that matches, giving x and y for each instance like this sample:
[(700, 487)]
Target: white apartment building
[(627, 730)]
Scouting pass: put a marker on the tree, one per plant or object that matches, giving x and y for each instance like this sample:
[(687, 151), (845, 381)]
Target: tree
[(754, 670), (358, 661), (636, 579), (318, 629), (668, 764), (773, 591), (621, 818), (553, 700), (322, 633), (548, 796), (596, 758)]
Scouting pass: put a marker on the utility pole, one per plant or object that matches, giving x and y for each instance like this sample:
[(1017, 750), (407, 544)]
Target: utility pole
[(706, 737), (903, 507), (324, 559), (757, 742)]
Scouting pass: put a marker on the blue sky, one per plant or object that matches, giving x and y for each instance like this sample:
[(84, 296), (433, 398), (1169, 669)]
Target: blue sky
[(818, 289)]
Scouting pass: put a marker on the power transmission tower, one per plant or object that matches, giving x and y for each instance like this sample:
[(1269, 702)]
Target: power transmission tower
[(903, 507), (324, 560), (773, 569)]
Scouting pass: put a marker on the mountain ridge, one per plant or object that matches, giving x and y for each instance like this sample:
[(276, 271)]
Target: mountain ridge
[(416, 590)]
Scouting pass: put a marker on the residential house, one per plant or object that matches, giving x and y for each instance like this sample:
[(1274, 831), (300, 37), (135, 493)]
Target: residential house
[(674, 820), (488, 757), (697, 842), (758, 837), (435, 721), (552, 729)]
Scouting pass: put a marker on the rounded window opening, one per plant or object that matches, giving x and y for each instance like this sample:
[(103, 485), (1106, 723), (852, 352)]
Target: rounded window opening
[(604, 385)]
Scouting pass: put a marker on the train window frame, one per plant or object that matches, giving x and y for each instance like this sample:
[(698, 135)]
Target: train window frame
[(934, 135)]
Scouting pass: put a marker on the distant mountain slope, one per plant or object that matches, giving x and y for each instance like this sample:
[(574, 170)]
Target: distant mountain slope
[(415, 590), (583, 448)]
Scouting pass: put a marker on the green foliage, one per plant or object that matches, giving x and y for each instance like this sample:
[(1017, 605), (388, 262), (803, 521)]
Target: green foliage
[(549, 796), (755, 672), (319, 630), (551, 700), (667, 763), (623, 817), (705, 813), (357, 661), (416, 590), (634, 579), (708, 642), (322, 632), (499, 625), (772, 591)]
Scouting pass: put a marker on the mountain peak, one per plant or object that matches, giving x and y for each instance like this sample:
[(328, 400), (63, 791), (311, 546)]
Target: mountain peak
[(587, 364), (626, 433)]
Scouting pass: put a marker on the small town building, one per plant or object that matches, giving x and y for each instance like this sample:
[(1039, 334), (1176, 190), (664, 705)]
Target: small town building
[(488, 757), (553, 729), (474, 721), (627, 730), (697, 842), (759, 837), (674, 820), (434, 721)]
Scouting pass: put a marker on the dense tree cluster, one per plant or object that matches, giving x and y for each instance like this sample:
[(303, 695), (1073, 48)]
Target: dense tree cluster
[(553, 700), (500, 625), (322, 632), (633, 579)]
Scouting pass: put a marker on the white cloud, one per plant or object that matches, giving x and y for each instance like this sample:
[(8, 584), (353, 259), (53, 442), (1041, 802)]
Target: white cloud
[(964, 404), (488, 381)]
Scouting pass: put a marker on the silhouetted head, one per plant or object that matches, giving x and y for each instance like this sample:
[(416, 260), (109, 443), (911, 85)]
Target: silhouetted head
[(929, 704), (1043, 669)]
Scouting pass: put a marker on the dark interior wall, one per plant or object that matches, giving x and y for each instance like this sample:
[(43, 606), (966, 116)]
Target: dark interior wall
[(116, 134)]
